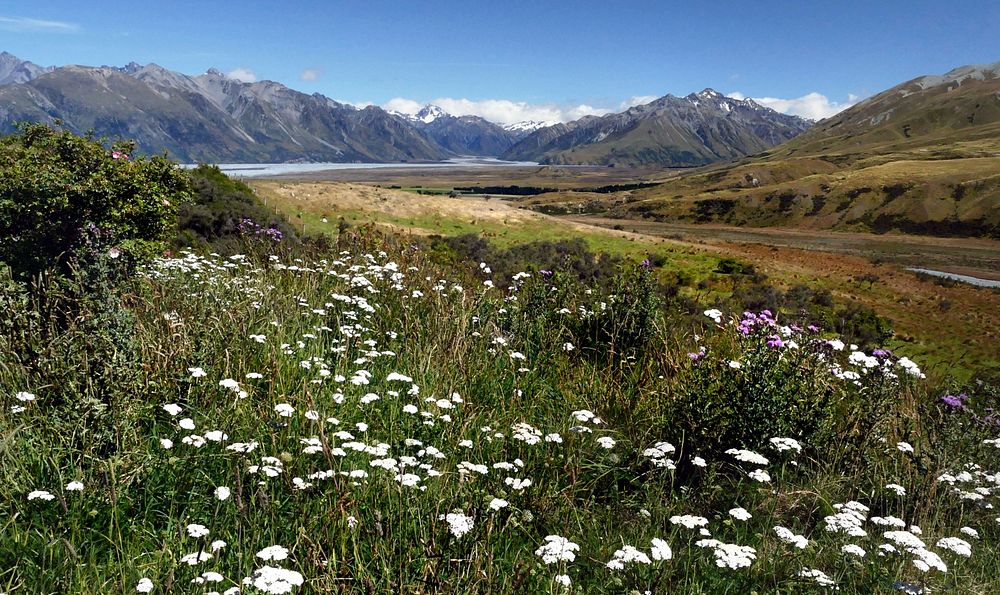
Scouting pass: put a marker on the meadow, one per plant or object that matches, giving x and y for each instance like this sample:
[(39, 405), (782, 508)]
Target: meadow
[(950, 327), (362, 410), (366, 421)]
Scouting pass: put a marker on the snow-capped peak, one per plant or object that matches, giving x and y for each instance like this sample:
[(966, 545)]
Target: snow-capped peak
[(430, 113), (527, 126), (709, 94)]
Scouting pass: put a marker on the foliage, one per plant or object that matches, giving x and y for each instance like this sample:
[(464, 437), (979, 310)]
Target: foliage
[(54, 184), (226, 215)]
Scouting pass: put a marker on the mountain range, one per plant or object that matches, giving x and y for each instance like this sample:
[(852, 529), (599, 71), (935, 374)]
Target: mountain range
[(215, 118), (701, 128)]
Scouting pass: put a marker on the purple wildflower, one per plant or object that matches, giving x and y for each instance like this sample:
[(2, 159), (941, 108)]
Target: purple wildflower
[(955, 401)]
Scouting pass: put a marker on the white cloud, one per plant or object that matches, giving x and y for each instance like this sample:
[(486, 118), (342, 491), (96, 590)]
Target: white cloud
[(357, 104), (501, 111), (310, 74), (244, 75), (814, 106), (26, 24), (404, 106), (637, 100)]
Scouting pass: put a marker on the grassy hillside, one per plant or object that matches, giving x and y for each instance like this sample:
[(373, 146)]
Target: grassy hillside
[(922, 157)]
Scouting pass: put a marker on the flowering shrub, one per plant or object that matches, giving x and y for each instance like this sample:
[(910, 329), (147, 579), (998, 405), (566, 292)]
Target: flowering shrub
[(226, 216)]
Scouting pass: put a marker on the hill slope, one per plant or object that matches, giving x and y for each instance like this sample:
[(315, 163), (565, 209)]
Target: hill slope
[(921, 157), (698, 129)]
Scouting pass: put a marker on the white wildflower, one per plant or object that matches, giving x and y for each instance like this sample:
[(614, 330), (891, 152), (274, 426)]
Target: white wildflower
[(557, 549)]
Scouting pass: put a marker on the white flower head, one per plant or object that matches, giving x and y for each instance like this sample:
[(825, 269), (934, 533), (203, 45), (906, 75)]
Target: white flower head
[(606, 442), (660, 550), (557, 549), (458, 523), (273, 552)]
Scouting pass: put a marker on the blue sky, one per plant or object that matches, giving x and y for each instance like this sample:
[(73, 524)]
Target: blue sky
[(517, 60)]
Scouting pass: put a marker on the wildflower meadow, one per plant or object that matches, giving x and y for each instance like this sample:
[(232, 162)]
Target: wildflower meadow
[(369, 422), (355, 414)]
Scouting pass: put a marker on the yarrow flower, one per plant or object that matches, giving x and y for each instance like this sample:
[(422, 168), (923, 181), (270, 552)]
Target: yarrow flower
[(895, 487), (271, 579), (729, 555), (626, 555), (557, 549), (956, 545), (786, 535), (747, 456), (854, 550), (688, 520), (273, 552), (660, 550), (458, 523), (715, 315), (783, 444), (818, 576)]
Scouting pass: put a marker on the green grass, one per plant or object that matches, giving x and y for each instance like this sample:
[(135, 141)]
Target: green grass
[(102, 376)]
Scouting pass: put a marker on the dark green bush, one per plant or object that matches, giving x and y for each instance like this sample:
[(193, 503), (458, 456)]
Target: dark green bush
[(226, 214), (54, 185)]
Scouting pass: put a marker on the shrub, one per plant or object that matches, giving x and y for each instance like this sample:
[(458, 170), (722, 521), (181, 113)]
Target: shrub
[(55, 184), (226, 213)]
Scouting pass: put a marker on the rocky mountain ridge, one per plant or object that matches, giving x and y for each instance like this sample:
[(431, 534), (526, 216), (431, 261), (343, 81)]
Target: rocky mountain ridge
[(698, 129)]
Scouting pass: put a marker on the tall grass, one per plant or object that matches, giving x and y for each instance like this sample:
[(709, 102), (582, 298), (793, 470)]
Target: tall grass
[(380, 418)]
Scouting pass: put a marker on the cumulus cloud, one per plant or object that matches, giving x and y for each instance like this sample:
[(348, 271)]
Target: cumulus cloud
[(310, 74), (501, 111), (244, 75), (637, 100), (38, 25), (814, 106)]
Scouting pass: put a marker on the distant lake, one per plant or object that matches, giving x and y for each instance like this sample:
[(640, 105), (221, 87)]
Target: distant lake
[(260, 170)]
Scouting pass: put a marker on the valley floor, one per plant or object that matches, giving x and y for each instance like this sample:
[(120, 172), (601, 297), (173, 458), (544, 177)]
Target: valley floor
[(966, 256)]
